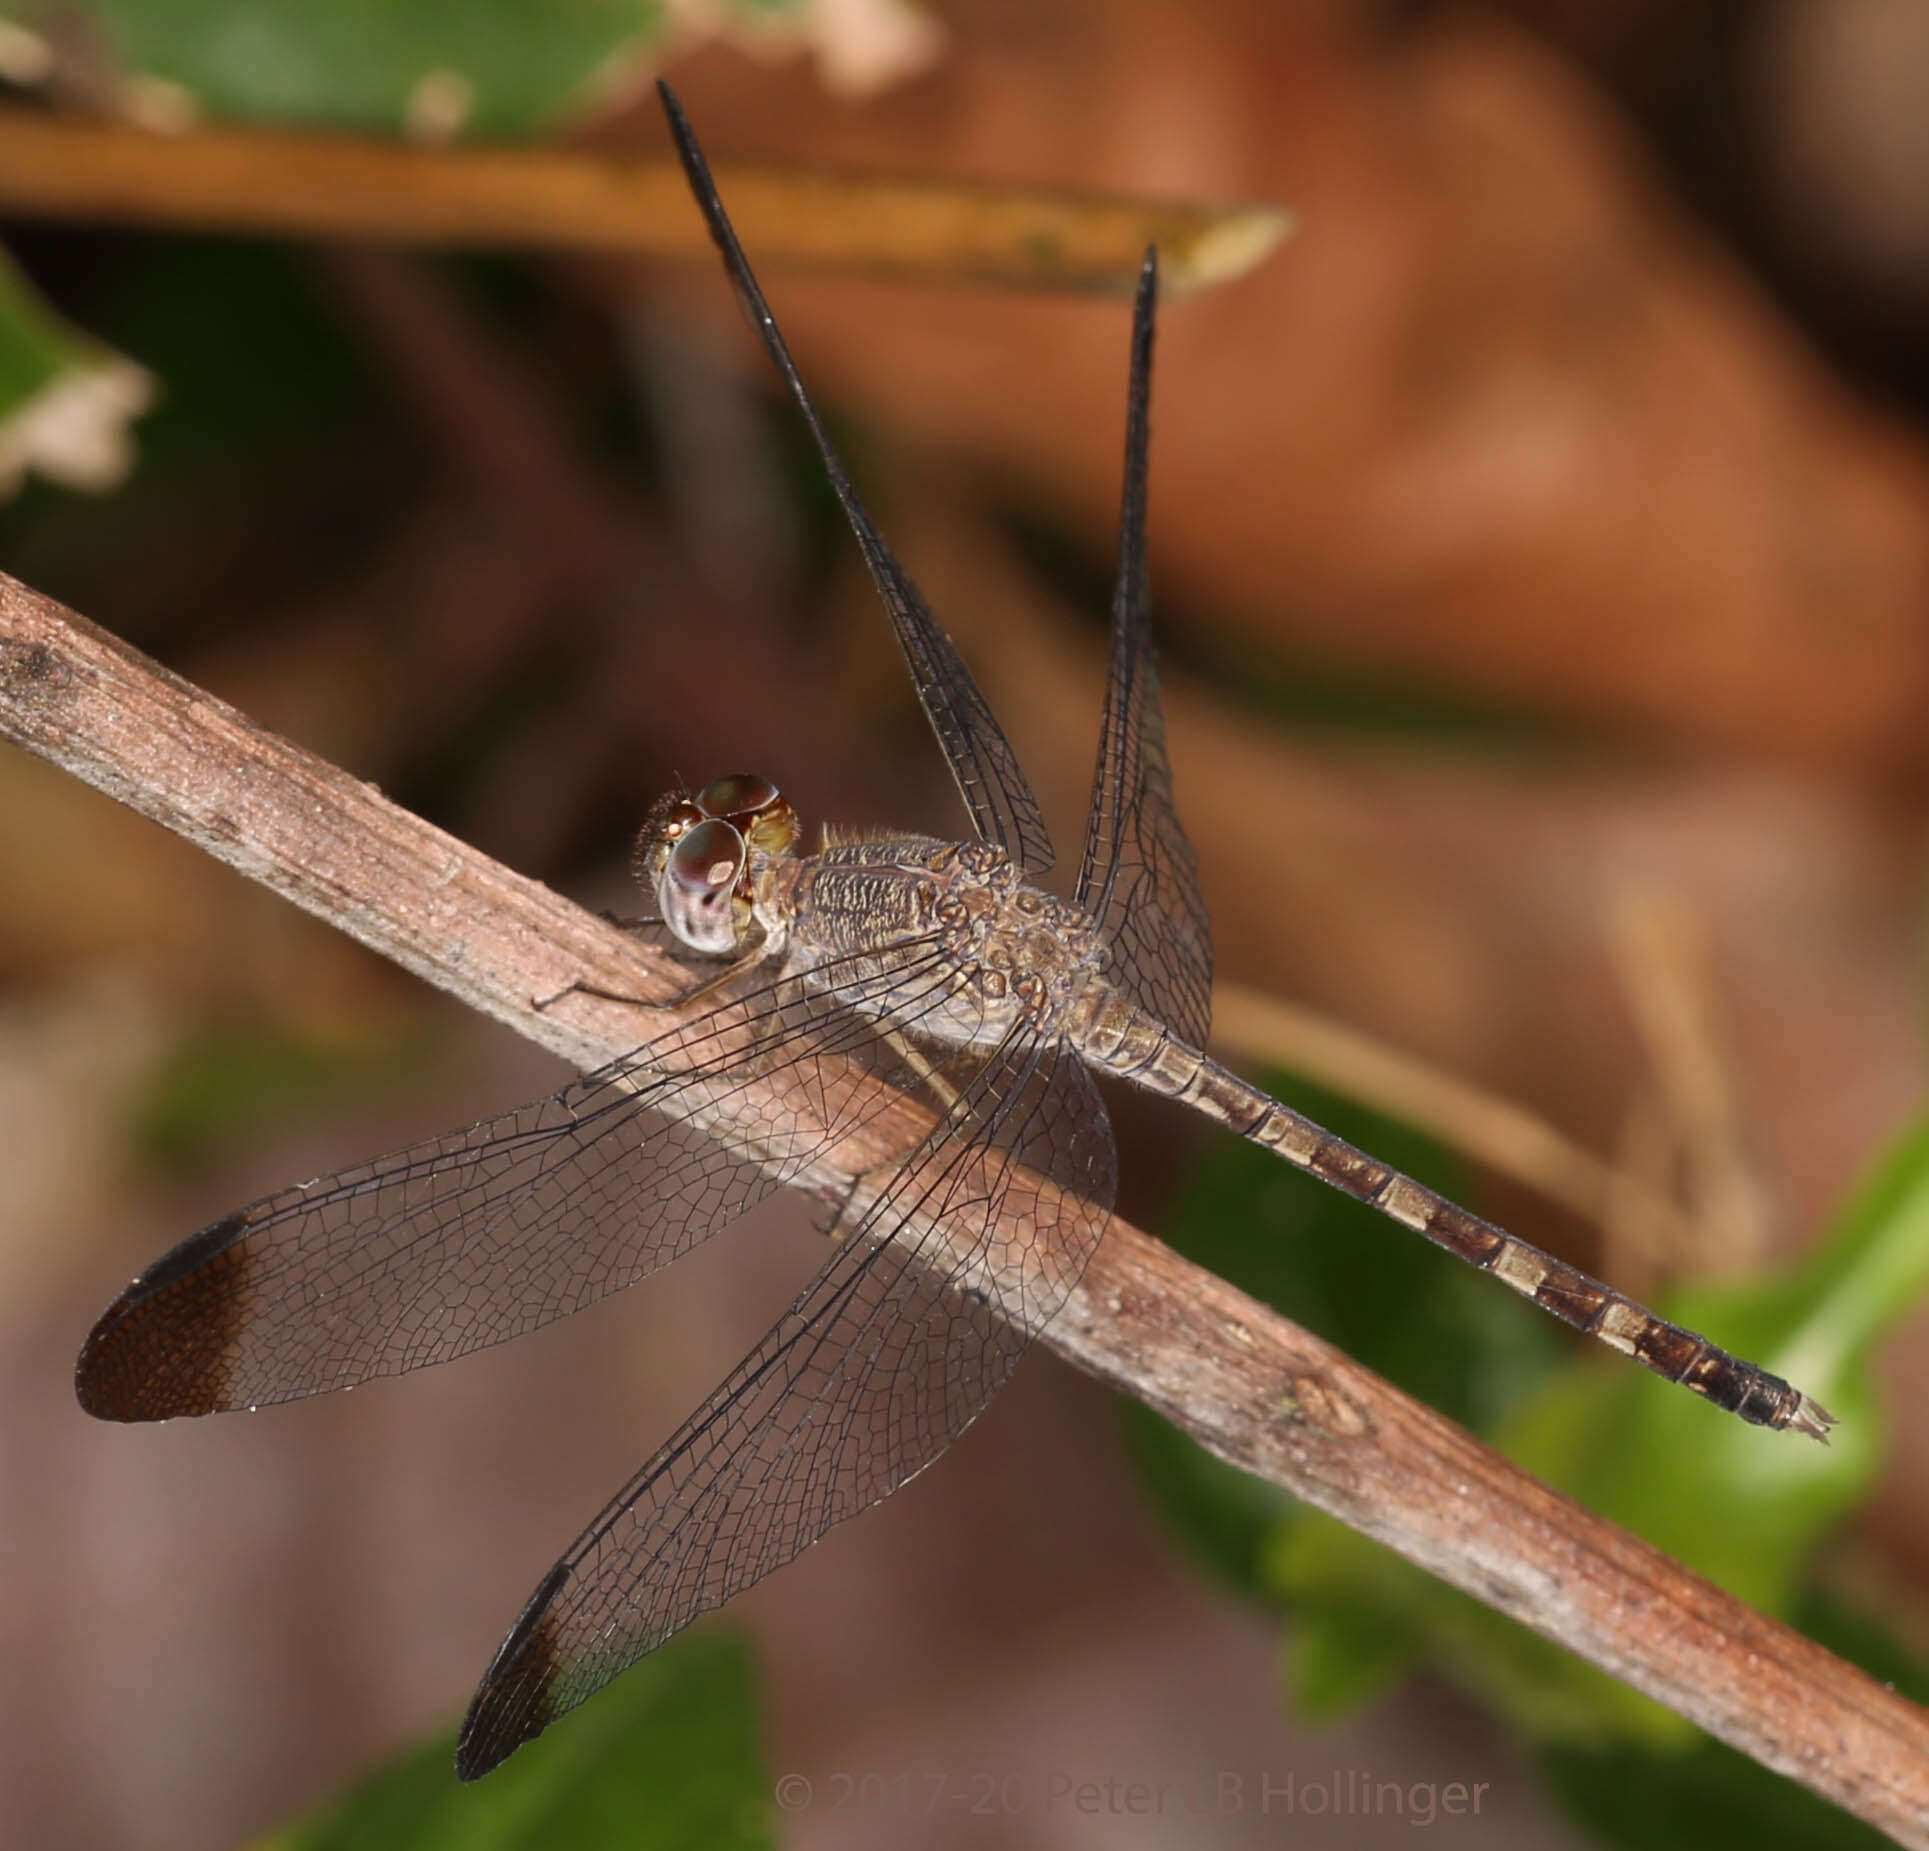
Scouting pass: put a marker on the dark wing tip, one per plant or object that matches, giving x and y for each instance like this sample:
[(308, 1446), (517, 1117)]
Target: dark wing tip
[(1145, 306), (166, 1345), (696, 168), (516, 1700), (101, 1377)]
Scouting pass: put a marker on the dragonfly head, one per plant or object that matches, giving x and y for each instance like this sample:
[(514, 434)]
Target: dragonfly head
[(698, 856)]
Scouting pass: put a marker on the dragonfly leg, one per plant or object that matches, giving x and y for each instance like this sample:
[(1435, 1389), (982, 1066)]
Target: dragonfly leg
[(628, 922), (681, 1000), (579, 988), (943, 1094), (940, 1088)]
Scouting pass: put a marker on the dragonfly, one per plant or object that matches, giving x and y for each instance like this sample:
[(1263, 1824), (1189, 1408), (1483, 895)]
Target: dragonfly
[(881, 966)]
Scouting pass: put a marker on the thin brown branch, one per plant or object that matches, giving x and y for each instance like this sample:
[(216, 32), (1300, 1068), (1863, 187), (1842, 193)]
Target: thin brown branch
[(1243, 1381), (342, 187), (1645, 1166), (1666, 966)]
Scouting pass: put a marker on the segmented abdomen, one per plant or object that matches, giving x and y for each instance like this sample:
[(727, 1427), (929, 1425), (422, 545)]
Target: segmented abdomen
[(1124, 1041)]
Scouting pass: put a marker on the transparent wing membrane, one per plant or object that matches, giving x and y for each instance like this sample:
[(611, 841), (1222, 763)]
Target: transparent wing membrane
[(917, 1320), (482, 1235), (989, 778), (1139, 877)]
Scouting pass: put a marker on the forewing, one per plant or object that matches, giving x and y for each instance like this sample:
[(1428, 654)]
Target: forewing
[(485, 1234), (884, 1360), (1139, 877), (995, 791)]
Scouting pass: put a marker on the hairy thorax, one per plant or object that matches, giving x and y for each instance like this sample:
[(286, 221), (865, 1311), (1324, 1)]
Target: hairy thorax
[(944, 937)]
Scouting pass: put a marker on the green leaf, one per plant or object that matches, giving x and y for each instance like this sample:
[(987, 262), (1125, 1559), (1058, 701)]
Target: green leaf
[(65, 401), (1356, 1629), (1713, 1795), (504, 67), (1225, 1517), (1395, 1303), (1400, 1306), (233, 1078), (667, 1757), (1627, 1444), (1852, 1627), (1710, 1795), (262, 384), (1745, 1507)]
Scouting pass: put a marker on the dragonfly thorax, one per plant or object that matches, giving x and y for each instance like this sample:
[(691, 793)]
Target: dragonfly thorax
[(698, 857), (945, 938)]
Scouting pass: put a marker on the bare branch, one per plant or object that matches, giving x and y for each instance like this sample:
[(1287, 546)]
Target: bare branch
[(348, 187), (1244, 1382), (1666, 966)]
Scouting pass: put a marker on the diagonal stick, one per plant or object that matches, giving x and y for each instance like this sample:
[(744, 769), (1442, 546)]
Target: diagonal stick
[(1248, 1385)]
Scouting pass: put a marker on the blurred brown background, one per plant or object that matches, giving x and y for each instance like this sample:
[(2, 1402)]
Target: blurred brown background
[(1543, 530)]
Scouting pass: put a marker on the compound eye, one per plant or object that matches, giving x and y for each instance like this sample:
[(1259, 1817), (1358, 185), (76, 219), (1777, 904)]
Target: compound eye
[(706, 861), (697, 889), (678, 820), (669, 821), (742, 794), (755, 806)]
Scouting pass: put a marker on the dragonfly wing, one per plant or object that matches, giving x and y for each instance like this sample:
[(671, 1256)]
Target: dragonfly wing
[(1139, 877), (994, 788), (485, 1234), (883, 1361)]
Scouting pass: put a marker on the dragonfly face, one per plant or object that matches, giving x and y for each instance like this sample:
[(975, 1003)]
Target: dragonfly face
[(698, 858)]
